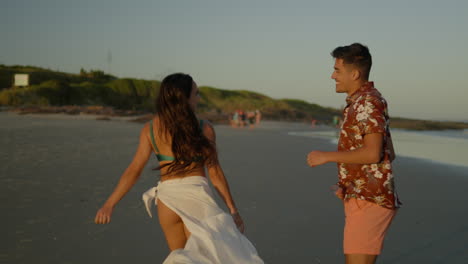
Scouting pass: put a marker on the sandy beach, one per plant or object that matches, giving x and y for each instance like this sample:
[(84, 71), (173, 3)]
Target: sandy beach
[(56, 172)]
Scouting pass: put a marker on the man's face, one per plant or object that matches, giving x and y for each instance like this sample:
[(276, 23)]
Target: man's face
[(343, 76)]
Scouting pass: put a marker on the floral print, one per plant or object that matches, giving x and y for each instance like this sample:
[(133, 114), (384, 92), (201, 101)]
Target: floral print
[(366, 113)]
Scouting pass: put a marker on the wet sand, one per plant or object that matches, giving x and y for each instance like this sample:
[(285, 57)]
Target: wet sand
[(56, 172)]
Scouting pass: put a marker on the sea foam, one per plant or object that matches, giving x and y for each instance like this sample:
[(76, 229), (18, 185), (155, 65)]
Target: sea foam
[(449, 147)]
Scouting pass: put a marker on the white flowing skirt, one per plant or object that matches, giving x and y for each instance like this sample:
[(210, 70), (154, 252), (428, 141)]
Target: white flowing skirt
[(214, 236)]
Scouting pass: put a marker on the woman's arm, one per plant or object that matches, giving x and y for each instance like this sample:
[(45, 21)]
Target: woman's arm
[(220, 183), (128, 178), (222, 187)]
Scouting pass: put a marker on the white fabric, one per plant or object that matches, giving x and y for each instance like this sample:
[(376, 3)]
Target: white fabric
[(214, 236)]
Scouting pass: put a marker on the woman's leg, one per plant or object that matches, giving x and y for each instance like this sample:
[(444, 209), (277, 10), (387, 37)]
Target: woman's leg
[(174, 229)]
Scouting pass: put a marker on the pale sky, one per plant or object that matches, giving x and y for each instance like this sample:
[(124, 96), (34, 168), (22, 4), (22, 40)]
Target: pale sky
[(279, 48)]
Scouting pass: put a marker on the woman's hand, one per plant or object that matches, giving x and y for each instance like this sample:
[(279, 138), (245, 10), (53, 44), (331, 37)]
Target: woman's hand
[(103, 215), (239, 222)]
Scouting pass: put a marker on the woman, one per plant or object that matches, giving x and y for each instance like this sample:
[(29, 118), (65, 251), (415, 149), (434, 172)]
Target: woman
[(196, 229)]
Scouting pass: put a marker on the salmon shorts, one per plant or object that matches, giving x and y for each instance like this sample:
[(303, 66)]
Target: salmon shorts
[(365, 226)]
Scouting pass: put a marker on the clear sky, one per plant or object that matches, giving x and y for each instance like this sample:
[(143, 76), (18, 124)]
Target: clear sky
[(279, 48)]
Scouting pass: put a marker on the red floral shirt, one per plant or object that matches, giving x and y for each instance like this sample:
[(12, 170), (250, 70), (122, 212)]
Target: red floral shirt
[(366, 113)]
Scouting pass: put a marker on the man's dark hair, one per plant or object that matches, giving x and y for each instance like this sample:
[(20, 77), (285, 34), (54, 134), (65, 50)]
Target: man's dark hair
[(356, 54)]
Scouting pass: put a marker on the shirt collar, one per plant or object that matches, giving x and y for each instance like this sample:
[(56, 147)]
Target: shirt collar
[(367, 86)]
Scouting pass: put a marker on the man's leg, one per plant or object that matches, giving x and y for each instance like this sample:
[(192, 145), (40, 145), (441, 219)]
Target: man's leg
[(360, 259), (365, 228)]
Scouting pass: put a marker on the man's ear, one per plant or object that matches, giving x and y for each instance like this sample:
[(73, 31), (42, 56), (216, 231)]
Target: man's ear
[(356, 74)]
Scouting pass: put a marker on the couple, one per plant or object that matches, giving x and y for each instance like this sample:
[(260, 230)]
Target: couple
[(198, 231)]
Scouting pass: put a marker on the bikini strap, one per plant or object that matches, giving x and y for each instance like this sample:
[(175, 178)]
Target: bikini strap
[(152, 137)]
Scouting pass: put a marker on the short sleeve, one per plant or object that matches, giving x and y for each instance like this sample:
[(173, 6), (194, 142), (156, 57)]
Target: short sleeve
[(371, 115)]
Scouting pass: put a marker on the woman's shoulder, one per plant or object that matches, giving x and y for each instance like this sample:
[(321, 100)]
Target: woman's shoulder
[(204, 124), (150, 124), (153, 121), (207, 128)]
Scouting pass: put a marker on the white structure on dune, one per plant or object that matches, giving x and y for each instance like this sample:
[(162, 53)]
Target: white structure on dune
[(21, 80)]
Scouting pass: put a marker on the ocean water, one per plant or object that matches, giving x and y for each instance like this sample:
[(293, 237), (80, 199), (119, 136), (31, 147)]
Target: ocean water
[(447, 147)]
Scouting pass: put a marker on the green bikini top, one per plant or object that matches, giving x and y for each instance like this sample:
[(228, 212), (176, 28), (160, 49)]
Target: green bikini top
[(162, 157)]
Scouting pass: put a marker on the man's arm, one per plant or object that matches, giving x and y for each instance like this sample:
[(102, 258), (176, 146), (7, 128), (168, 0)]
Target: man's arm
[(371, 152)]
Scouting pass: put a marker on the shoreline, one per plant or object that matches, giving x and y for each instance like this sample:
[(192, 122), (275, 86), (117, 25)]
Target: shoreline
[(106, 113)]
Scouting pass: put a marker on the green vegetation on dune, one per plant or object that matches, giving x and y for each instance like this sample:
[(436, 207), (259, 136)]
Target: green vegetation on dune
[(132, 94), (226, 101), (49, 88), (95, 88), (229, 101), (314, 111), (40, 75)]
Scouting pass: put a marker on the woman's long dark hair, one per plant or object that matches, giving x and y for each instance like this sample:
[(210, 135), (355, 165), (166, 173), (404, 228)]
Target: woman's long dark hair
[(177, 118)]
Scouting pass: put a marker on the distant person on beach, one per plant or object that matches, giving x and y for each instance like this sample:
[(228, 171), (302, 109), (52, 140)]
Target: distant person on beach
[(235, 119), (313, 122), (243, 118), (364, 156), (336, 121), (251, 119), (258, 117), (197, 230)]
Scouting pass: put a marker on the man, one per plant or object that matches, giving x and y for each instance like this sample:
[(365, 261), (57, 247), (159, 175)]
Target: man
[(364, 156)]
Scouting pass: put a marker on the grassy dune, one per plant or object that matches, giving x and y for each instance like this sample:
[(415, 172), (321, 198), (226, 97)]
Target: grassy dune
[(53, 91)]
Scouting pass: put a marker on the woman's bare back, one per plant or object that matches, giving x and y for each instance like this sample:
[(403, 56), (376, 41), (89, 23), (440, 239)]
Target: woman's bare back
[(163, 141)]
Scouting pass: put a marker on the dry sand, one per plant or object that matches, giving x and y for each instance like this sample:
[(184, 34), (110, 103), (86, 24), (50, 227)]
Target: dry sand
[(55, 173)]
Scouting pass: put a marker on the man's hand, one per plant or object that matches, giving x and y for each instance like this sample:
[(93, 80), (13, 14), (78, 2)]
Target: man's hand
[(316, 158)]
